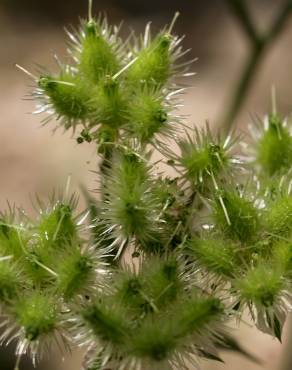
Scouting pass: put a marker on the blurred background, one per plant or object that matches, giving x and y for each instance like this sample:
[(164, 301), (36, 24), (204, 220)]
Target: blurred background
[(32, 160)]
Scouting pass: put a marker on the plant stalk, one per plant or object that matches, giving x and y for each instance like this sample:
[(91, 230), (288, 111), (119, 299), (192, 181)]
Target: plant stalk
[(259, 44)]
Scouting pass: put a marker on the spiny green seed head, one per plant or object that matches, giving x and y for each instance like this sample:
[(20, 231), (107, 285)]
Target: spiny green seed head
[(37, 257), (132, 212), (203, 155), (278, 217), (129, 290), (195, 162), (12, 238), (56, 227), (147, 115), (68, 96), (156, 285), (196, 314), (282, 256), (274, 150), (106, 322), (37, 315), (11, 282), (168, 191), (133, 168), (215, 255), (74, 271), (98, 57), (109, 100), (262, 285), (154, 340), (153, 64), (236, 216), (162, 281), (147, 314), (130, 203)]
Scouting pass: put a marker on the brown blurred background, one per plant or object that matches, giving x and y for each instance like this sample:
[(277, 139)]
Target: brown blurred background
[(32, 160)]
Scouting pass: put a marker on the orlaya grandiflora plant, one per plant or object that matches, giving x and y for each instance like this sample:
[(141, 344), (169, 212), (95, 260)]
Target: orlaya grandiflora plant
[(150, 275)]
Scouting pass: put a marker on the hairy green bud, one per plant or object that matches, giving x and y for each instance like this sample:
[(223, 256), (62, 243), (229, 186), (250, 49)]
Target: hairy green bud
[(236, 216), (154, 340), (203, 156), (56, 227), (197, 313), (37, 315), (74, 271), (11, 282), (97, 58), (216, 255), (153, 64), (261, 285), (274, 149), (109, 100), (278, 217), (68, 96), (282, 256), (106, 323), (130, 203), (13, 238), (146, 115), (162, 281)]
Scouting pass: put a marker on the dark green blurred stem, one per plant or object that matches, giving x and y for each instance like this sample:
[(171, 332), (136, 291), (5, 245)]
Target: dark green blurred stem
[(258, 47), (240, 11), (241, 90)]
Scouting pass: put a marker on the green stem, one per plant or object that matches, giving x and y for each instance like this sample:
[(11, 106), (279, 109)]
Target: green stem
[(240, 10), (242, 88), (259, 45)]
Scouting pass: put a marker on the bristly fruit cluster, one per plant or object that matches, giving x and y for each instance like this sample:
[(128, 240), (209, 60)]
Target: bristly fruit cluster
[(151, 281)]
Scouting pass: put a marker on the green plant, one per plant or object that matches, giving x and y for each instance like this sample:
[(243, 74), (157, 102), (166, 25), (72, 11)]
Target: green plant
[(151, 281)]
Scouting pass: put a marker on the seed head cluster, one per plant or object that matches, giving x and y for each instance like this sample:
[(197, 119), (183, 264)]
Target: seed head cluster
[(150, 274)]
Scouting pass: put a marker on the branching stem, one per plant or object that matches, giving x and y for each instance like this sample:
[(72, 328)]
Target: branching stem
[(259, 46)]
